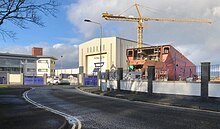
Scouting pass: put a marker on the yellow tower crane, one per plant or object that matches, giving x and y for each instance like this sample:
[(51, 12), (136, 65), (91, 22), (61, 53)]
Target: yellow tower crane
[(140, 20)]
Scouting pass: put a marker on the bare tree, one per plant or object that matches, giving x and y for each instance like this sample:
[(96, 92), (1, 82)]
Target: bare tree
[(21, 12)]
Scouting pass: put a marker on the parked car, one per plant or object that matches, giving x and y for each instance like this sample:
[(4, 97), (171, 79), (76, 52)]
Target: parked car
[(57, 81)]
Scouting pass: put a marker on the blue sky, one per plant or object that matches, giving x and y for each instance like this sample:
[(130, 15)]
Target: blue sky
[(62, 34), (55, 29)]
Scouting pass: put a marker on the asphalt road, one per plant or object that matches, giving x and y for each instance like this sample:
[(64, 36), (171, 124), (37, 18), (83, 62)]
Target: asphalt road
[(96, 112), (16, 113)]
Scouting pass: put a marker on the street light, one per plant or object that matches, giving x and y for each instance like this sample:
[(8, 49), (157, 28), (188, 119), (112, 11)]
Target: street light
[(61, 65), (100, 25)]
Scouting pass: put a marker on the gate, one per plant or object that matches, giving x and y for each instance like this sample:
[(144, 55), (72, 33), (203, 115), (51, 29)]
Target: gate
[(90, 81), (3, 80), (33, 80)]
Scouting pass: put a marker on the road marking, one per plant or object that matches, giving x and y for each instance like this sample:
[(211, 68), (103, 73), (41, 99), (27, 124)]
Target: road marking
[(71, 119), (155, 104)]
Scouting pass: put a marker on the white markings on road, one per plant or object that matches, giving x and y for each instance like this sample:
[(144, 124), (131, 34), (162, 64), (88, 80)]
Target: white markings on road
[(71, 119)]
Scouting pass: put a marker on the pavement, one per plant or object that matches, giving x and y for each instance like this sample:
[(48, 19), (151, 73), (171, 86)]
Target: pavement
[(194, 102), (16, 113)]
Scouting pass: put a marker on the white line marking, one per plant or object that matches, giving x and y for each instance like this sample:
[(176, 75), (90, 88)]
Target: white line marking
[(71, 119)]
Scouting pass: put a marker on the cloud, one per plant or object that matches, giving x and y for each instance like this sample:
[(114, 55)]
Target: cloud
[(195, 40), (57, 46), (216, 11), (69, 52), (70, 40)]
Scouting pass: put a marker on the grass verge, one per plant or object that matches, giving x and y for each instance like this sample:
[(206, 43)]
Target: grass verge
[(3, 86)]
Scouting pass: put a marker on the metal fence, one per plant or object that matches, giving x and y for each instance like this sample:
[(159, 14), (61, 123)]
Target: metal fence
[(177, 73), (33, 80), (170, 73), (91, 81), (215, 73)]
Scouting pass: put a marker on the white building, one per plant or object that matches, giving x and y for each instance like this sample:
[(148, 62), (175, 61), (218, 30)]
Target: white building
[(113, 53), (66, 71), (46, 65)]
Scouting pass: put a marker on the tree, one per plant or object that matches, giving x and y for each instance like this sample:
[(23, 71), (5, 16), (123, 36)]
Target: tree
[(21, 12)]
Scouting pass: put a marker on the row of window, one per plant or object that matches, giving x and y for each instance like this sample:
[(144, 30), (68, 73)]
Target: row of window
[(95, 49), (8, 69), (45, 70), (46, 61)]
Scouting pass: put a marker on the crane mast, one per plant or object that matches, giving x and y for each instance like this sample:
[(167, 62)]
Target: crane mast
[(141, 19)]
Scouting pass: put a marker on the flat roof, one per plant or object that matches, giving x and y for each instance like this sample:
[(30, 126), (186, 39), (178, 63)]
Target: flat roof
[(116, 39), (52, 57), (24, 56), (17, 55)]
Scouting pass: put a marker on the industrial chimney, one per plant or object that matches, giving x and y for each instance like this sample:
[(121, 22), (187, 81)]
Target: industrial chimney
[(36, 51)]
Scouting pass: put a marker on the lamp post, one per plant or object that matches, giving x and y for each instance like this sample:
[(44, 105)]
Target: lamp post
[(61, 65), (100, 45)]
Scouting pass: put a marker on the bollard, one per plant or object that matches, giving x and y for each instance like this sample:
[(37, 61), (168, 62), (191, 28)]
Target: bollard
[(205, 78), (151, 77), (119, 78)]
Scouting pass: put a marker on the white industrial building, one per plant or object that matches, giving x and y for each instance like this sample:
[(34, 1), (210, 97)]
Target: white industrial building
[(113, 53), (66, 71)]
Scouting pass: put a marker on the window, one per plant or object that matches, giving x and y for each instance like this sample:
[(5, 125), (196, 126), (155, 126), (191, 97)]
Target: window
[(87, 50), (52, 62), (90, 49), (97, 48), (42, 70), (103, 47), (42, 61), (130, 53), (31, 61), (166, 50), (31, 70), (93, 48)]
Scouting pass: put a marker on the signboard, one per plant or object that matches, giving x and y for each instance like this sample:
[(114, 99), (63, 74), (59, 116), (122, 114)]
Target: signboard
[(94, 62)]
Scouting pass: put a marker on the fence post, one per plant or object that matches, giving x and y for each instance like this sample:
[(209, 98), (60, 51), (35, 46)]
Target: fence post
[(151, 77), (8, 78), (22, 78), (119, 78), (99, 81), (106, 77), (205, 78), (45, 79)]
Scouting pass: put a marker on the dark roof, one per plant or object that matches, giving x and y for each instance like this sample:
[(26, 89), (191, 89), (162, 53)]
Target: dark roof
[(17, 55), (10, 55)]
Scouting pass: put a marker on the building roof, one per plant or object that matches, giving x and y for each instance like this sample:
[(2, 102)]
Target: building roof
[(10, 55), (17, 55), (52, 57), (116, 39)]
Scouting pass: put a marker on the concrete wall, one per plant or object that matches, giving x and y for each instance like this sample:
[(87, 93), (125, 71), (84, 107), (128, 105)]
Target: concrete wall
[(170, 87), (214, 89), (15, 79), (140, 86), (178, 88)]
